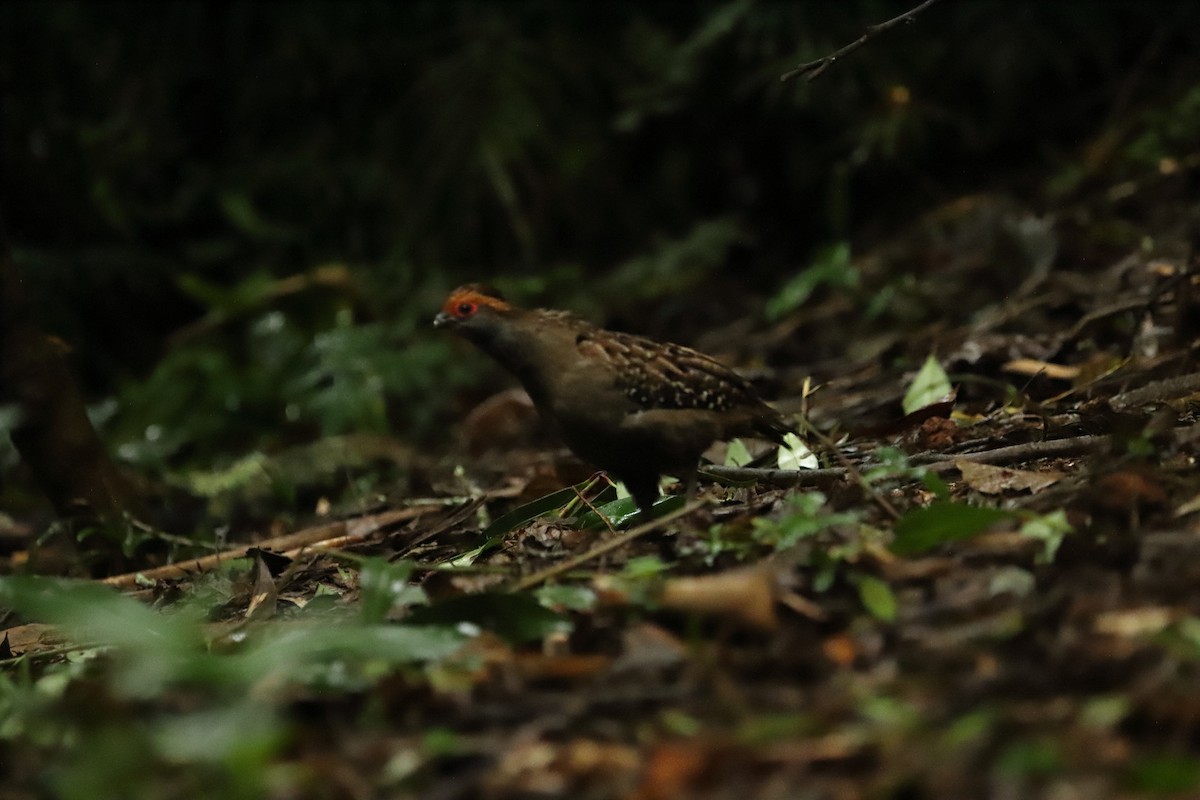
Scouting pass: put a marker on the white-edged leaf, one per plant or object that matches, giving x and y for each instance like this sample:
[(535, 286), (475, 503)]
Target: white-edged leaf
[(930, 386), (795, 454)]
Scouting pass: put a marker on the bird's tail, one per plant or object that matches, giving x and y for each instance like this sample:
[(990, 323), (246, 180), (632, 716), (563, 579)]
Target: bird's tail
[(775, 427)]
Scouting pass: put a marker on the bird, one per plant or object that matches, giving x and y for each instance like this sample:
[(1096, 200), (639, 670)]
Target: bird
[(631, 406)]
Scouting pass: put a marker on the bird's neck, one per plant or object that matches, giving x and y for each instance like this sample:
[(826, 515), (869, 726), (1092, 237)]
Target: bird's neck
[(532, 347)]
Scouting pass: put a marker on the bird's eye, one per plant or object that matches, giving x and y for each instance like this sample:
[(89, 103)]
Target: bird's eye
[(466, 309)]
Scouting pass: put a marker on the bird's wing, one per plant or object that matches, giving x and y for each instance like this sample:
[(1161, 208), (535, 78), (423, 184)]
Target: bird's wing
[(656, 375)]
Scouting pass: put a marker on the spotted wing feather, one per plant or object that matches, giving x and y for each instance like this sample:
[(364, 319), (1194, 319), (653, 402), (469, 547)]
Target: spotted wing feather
[(658, 375)]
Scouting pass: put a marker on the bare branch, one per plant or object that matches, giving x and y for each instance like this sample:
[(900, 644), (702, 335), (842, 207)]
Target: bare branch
[(814, 69)]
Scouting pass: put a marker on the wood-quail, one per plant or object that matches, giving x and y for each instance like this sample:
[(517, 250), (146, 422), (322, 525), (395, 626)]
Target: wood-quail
[(634, 407)]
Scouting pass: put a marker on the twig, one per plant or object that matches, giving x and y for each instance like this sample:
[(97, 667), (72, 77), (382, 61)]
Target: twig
[(777, 477), (814, 69), (1031, 451), (1055, 448), (344, 532), (1157, 391), (529, 581), (460, 515), (851, 470), (607, 523)]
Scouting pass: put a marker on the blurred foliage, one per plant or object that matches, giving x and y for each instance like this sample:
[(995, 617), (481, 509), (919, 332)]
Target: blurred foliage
[(831, 266), (172, 170), (222, 692)]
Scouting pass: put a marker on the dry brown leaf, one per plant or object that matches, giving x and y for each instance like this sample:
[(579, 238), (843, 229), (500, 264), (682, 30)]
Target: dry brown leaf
[(501, 421), (802, 605), (1188, 507), (570, 666), (553, 769), (988, 479), (746, 595), (671, 770), (840, 649), (1134, 622), (648, 646), (34, 638), (1031, 367), (1128, 490), (264, 596)]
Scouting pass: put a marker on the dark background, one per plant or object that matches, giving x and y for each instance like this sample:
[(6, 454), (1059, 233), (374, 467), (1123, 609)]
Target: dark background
[(240, 217)]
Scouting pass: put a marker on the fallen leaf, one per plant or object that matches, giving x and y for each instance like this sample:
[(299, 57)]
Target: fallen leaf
[(990, 479), (264, 596), (1133, 622), (553, 769), (1188, 507), (672, 769), (840, 649), (570, 666), (795, 454), (501, 421), (1031, 367), (34, 638), (923, 529), (1127, 490), (648, 646), (747, 595), (929, 387)]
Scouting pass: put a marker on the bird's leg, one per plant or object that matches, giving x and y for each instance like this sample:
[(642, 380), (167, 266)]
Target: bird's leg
[(644, 489), (692, 482)]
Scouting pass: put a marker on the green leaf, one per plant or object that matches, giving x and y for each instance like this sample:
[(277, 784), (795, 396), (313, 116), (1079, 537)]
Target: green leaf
[(877, 598), (644, 568), (530, 511), (620, 512), (930, 386), (925, 528), (152, 648), (892, 464), (384, 586), (831, 266), (516, 617), (493, 535), (806, 517), (737, 455), (235, 733), (675, 264), (560, 595), (1165, 774), (285, 649), (776, 728), (1050, 529), (1040, 756), (934, 483)]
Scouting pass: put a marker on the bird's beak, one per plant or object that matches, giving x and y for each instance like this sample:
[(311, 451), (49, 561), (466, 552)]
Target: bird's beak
[(442, 320)]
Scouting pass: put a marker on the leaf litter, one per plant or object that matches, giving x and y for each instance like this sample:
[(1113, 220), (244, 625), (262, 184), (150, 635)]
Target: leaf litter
[(931, 623)]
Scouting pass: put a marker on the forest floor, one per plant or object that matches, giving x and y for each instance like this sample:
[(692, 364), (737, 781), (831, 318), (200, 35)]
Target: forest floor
[(988, 592)]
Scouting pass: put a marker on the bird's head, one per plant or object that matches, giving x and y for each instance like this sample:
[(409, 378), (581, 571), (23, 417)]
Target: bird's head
[(471, 308)]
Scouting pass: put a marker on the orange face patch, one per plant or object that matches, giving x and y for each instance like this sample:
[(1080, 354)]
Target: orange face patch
[(465, 302)]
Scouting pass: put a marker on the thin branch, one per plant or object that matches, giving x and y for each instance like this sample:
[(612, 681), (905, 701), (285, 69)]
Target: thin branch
[(814, 69), (851, 470), (1157, 392), (342, 532), (1015, 454), (529, 581), (607, 522), (1018, 453)]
